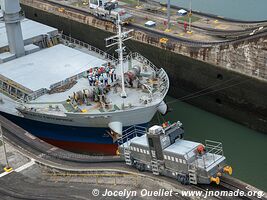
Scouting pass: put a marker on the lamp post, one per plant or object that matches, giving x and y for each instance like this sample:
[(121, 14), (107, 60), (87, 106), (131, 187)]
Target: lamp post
[(7, 167), (138, 4), (168, 14), (190, 17)]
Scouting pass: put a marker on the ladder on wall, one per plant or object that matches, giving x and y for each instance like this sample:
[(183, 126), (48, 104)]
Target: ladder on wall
[(127, 156), (192, 174), (155, 166)]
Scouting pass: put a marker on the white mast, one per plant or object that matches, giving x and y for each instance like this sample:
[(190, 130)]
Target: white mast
[(120, 52), (119, 39)]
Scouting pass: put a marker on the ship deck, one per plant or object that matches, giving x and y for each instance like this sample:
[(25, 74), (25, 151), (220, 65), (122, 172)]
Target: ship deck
[(48, 66), (46, 72), (59, 99), (115, 102), (31, 30)]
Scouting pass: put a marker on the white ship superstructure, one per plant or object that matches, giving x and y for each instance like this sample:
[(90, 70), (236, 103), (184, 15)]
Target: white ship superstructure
[(68, 92)]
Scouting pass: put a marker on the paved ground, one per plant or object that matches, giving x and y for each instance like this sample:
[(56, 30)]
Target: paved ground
[(203, 28), (73, 179), (32, 181), (39, 183)]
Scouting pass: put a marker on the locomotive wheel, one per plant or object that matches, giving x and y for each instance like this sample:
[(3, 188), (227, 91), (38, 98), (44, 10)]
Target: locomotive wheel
[(140, 167), (183, 179)]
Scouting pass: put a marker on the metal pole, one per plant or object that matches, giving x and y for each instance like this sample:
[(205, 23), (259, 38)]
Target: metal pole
[(4, 146), (169, 14), (190, 17), (120, 50)]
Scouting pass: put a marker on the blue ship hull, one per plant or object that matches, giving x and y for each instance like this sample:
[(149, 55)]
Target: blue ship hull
[(72, 138)]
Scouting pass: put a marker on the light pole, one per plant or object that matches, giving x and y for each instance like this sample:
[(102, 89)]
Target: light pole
[(190, 17), (168, 15), (7, 167), (138, 4)]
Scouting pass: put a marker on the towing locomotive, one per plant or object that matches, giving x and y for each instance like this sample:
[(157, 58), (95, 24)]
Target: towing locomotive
[(109, 10), (163, 151)]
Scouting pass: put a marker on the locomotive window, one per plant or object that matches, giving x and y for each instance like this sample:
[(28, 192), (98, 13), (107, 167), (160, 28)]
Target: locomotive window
[(150, 142)]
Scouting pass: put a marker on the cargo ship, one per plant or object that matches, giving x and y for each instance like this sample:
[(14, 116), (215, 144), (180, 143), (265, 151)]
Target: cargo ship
[(69, 93)]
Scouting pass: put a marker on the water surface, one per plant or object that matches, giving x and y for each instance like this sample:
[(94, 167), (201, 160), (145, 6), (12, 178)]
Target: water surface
[(244, 148), (249, 10)]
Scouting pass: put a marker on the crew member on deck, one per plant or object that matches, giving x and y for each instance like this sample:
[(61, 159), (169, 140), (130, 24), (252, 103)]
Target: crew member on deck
[(93, 78), (101, 78), (90, 78), (105, 76), (112, 74)]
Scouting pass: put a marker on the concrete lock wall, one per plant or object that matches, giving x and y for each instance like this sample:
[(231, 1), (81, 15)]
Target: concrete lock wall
[(190, 70)]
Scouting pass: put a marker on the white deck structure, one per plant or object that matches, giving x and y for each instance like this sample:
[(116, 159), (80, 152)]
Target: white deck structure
[(31, 31), (49, 66), (50, 84)]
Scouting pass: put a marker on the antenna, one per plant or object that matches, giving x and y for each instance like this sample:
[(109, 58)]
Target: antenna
[(118, 40)]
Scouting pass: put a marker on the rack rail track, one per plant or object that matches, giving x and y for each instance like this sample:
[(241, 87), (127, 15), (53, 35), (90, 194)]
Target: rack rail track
[(33, 146)]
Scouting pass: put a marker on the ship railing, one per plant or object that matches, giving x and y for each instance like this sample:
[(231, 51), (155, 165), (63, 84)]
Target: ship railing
[(89, 47), (165, 82), (36, 94), (67, 80), (129, 133), (160, 72), (142, 59)]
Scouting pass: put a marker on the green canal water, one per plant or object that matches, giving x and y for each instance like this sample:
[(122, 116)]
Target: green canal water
[(245, 149), (236, 9)]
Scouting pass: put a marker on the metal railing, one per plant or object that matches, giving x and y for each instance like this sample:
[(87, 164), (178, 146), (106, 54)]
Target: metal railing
[(131, 132), (89, 47), (213, 148), (67, 80), (159, 71), (36, 94), (143, 60)]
